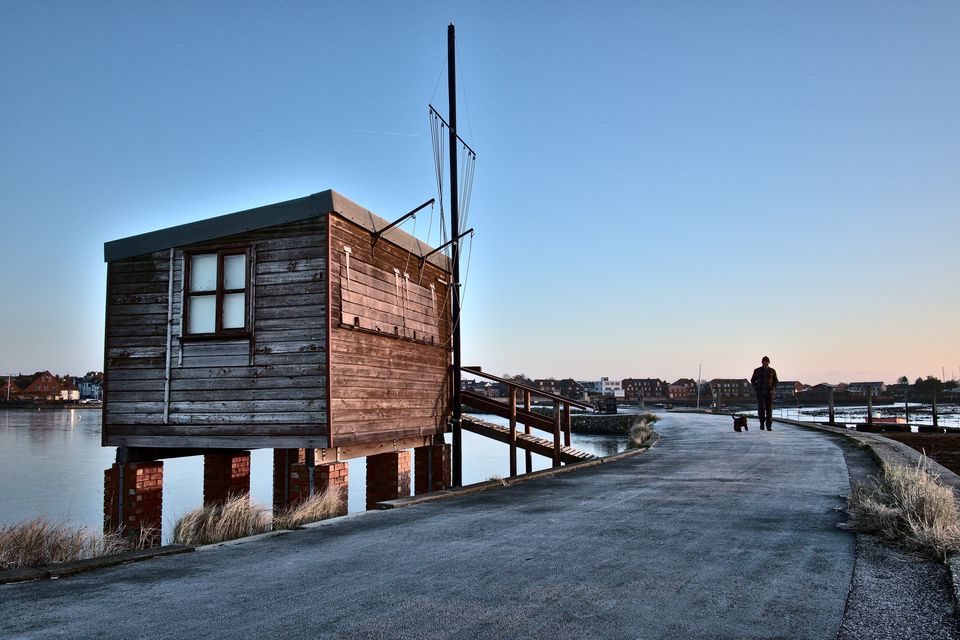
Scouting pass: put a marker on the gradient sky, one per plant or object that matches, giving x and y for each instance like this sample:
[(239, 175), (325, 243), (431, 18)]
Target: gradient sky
[(659, 184)]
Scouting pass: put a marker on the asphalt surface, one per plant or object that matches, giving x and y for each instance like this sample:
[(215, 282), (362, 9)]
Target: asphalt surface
[(711, 534)]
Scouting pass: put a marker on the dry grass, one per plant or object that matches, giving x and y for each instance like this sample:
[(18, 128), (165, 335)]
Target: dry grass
[(641, 429), (39, 542), (908, 507), (318, 507), (237, 517)]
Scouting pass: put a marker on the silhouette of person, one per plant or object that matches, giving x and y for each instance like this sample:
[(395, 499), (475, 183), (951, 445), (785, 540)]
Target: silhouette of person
[(764, 382)]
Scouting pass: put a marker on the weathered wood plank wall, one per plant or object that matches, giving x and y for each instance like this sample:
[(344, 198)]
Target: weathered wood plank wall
[(264, 389), (389, 340)]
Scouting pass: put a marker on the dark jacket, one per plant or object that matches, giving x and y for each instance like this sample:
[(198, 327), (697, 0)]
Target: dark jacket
[(764, 380)]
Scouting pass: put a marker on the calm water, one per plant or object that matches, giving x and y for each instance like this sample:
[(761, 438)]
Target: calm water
[(51, 462)]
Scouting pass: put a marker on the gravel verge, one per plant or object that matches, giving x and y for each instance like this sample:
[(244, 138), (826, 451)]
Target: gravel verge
[(893, 594)]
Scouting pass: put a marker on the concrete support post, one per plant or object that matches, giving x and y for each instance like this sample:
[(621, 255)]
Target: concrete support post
[(431, 468), (133, 501), (388, 477), (224, 475)]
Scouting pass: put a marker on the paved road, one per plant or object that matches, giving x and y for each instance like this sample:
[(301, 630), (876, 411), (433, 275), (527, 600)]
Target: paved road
[(712, 534)]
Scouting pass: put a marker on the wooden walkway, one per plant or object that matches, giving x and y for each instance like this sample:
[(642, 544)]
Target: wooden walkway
[(540, 446)]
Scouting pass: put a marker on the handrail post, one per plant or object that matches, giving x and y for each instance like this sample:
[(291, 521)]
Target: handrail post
[(566, 424), (526, 429), (556, 433), (513, 431)]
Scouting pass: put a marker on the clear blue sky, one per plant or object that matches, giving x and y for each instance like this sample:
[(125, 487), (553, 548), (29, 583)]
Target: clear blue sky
[(659, 184)]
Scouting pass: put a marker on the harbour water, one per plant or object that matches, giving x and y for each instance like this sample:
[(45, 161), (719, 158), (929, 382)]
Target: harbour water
[(51, 463)]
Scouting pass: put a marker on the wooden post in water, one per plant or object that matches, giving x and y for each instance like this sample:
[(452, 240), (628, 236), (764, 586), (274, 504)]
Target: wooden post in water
[(935, 422), (566, 424), (528, 457), (513, 431), (832, 411), (869, 405), (556, 433), (906, 408)]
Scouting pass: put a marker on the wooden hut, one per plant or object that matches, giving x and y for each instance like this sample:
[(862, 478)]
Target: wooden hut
[(297, 324)]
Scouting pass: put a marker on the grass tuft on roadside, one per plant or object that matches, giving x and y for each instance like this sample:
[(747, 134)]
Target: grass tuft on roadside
[(907, 507), (318, 507), (237, 517), (39, 542), (641, 429)]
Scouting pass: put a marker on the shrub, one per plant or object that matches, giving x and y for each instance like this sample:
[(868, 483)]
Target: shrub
[(908, 507), (237, 517), (641, 430), (39, 542), (317, 507)]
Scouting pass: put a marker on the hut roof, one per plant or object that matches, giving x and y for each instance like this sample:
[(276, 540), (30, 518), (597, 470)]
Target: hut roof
[(312, 206)]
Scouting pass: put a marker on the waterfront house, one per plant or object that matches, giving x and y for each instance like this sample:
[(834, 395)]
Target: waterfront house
[(682, 389), (732, 389), (648, 388), (860, 388), (608, 387), (10, 390), (305, 323), (41, 385), (787, 390)]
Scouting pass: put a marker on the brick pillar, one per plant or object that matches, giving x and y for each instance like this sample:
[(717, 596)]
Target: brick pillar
[(291, 478), (388, 477), (333, 475), (224, 475), (133, 501), (431, 468), (291, 483)]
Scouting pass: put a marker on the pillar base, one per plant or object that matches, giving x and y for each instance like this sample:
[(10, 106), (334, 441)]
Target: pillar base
[(388, 477), (225, 475), (432, 470), (133, 501), (295, 479)]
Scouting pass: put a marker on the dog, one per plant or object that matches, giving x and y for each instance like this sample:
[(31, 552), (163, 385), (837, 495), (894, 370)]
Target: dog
[(740, 422)]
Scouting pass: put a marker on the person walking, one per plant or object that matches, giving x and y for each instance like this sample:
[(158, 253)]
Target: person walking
[(764, 382)]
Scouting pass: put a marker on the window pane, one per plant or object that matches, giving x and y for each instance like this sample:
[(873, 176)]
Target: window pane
[(234, 272), (203, 272), (233, 311), (203, 313)]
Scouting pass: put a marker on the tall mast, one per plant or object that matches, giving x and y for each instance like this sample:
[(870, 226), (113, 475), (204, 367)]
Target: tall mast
[(455, 254)]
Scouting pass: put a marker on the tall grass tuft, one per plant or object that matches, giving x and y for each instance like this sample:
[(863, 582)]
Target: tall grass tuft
[(641, 429), (237, 517), (907, 506), (39, 542), (317, 507)]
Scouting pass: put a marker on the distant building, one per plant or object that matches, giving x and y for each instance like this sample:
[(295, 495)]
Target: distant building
[(787, 390), (41, 385), (570, 388), (648, 388), (609, 387), (731, 389), (682, 389), (90, 385), (547, 385), (860, 388), (10, 390)]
